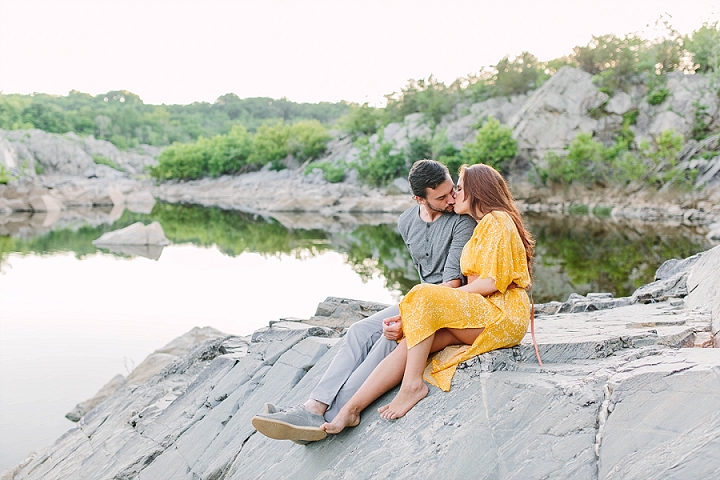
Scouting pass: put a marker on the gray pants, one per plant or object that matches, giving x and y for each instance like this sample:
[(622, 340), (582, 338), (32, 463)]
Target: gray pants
[(362, 349)]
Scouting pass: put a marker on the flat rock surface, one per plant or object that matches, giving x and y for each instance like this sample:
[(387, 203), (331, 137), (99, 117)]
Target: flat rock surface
[(616, 398)]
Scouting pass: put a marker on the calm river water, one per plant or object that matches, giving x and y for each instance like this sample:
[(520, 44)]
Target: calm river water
[(73, 316)]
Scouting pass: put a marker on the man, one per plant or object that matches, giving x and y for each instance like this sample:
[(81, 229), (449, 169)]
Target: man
[(435, 237)]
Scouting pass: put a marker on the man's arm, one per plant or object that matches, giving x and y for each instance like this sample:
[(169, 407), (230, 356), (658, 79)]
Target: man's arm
[(461, 233)]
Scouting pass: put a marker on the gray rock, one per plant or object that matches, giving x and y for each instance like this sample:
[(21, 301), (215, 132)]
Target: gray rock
[(556, 112), (135, 234), (611, 401)]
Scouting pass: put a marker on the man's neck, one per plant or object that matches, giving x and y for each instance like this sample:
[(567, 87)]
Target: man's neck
[(429, 215)]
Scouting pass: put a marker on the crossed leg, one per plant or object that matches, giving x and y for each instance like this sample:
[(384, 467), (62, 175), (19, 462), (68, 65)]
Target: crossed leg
[(413, 388), (403, 364)]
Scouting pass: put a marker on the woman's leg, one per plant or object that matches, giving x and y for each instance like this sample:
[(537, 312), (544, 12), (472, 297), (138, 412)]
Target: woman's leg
[(413, 388), (386, 375)]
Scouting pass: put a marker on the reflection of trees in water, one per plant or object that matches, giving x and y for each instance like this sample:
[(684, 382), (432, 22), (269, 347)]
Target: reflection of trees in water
[(602, 255), (573, 254), (373, 249)]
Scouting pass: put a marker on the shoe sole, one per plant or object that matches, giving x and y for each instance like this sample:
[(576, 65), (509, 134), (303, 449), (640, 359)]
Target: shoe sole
[(278, 430)]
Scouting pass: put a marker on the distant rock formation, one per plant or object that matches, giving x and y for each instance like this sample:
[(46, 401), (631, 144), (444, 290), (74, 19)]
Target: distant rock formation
[(29, 152), (622, 394)]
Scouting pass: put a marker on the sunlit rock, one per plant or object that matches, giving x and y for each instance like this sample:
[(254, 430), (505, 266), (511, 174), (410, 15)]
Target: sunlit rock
[(617, 397), (135, 234)]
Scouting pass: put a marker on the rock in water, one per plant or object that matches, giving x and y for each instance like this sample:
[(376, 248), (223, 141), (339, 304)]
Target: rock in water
[(135, 234)]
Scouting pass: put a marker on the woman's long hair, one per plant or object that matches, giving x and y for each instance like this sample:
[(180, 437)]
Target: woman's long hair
[(488, 192)]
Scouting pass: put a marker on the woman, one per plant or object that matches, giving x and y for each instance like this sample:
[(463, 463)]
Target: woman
[(492, 311)]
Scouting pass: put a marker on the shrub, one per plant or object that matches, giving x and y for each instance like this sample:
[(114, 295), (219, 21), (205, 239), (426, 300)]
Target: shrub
[(429, 97), (333, 173), (308, 139), (704, 45), (270, 145), (658, 96), (584, 163), (518, 76), (229, 153), (360, 120), (494, 145), (184, 161), (100, 160), (4, 175), (380, 167)]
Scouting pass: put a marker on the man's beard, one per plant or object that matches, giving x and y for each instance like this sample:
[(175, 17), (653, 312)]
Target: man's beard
[(448, 209)]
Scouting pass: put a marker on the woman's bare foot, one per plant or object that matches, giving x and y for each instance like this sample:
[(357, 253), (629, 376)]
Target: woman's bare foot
[(342, 419), (407, 397)]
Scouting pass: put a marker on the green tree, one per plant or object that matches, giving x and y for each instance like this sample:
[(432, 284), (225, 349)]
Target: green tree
[(494, 145), (308, 139), (360, 120), (270, 144), (380, 166), (230, 153), (430, 97), (519, 75), (704, 45)]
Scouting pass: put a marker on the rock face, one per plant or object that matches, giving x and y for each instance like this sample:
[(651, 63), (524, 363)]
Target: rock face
[(616, 398), (27, 152)]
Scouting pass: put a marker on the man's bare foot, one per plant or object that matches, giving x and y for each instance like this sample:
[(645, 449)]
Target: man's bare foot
[(313, 406), (406, 398), (343, 419)]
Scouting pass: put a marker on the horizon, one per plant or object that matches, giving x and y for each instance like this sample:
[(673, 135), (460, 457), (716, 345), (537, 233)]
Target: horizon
[(315, 51)]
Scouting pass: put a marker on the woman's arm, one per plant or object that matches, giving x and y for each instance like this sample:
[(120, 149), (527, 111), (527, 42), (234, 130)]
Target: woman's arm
[(483, 286)]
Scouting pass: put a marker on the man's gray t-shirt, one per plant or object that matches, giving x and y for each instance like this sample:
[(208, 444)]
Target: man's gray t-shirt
[(436, 246)]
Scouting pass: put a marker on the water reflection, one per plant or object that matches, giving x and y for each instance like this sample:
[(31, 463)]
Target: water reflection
[(574, 253)]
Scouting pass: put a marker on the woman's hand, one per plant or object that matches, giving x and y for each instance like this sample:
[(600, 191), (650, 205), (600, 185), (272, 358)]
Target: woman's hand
[(392, 328)]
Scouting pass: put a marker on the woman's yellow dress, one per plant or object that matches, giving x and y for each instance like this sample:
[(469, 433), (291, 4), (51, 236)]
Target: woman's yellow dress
[(494, 251)]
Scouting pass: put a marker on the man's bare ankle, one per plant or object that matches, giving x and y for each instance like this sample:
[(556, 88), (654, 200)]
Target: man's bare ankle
[(313, 406)]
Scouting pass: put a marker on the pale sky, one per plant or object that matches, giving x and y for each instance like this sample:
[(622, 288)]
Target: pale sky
[(175, 51)]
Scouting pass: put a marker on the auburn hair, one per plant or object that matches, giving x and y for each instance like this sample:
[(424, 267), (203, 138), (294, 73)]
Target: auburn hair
[(488, 192)]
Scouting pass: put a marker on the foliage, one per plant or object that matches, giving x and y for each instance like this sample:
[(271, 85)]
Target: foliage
[(518, 76), (229, 153), (430, 97), (658, 96), (584, 163), (122, 118), (308, 139), (270, 145), (589, 163), (419, 148), (100, 160), (381, 165), (663, 160), (704, 46), (494, 145), (701, 122), (4, 175), (360, 120), (332, 173)]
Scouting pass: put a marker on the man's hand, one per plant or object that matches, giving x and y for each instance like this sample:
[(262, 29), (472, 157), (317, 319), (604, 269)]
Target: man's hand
[(392, 328)]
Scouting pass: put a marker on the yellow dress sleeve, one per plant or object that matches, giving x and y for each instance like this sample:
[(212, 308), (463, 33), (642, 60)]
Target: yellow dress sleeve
[(496, 251)]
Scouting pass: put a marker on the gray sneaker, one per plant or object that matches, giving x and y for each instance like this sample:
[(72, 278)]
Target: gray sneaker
[(272, 408), (296, 424)]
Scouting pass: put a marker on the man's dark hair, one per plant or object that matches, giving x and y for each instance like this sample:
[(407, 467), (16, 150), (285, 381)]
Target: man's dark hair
[(426, 174)]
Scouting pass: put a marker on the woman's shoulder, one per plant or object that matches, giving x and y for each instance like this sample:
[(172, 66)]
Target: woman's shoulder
[(496, 217)]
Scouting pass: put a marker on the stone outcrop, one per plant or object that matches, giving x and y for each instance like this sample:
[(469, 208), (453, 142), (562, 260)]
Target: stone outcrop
[(27, 152), (617, 397)]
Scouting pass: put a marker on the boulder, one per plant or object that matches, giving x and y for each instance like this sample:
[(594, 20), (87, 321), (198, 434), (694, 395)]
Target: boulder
[(45, 203), (557, 112), (135, 234)]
